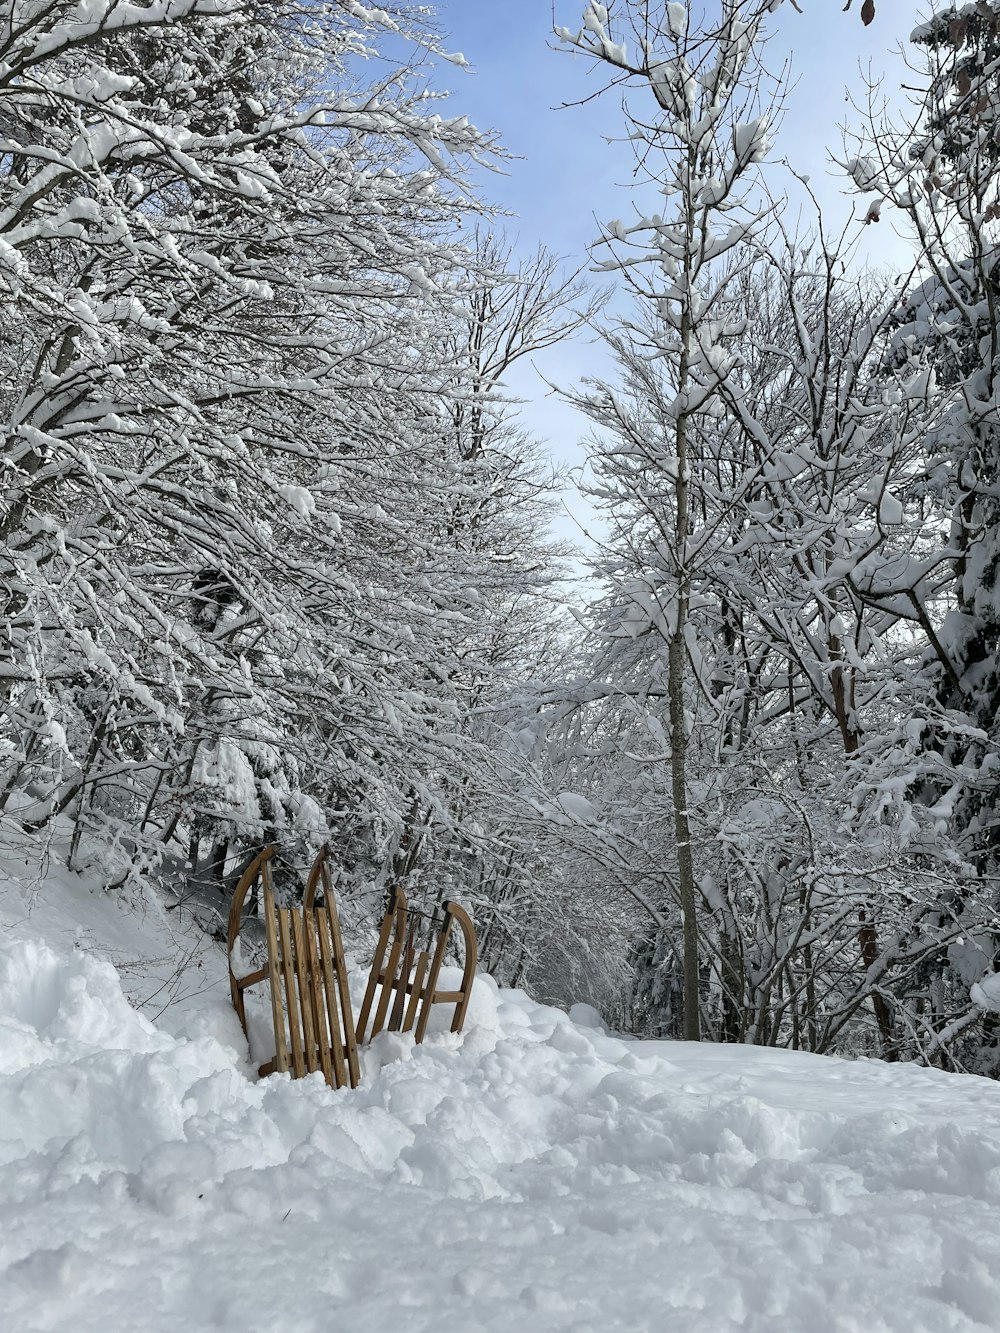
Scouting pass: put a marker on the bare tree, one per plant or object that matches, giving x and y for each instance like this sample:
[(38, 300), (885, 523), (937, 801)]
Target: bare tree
[(698, 131)]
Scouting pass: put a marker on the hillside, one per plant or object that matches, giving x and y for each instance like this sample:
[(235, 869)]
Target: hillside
[(535, 1173)]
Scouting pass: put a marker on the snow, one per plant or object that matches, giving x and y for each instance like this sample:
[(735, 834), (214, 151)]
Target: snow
[(673, 84), (533, 1173), (677, 19), (577, 807), (750, 140), (300, 499), (890, 509), (986, 992)]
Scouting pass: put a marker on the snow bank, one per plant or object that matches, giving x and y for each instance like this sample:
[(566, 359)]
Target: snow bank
[(534, 1173)]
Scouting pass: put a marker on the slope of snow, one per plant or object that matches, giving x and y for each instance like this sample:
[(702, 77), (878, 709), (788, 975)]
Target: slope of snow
[(533, 1173)]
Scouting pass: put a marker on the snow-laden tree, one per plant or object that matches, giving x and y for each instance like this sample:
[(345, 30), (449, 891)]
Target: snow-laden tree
[(941, 173), (514, 634), (221, 249), (796, 667), (759, 468), (699, 121)]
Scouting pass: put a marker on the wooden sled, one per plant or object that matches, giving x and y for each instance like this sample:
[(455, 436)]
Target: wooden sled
[(310, 1001), (409, 979)]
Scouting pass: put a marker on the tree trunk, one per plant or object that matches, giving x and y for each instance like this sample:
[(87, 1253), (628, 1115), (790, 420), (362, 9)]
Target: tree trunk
[(676, 658), (682, 836), (867, 937)]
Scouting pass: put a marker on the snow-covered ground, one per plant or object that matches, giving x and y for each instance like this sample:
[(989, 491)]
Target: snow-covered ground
[(532, 1174)]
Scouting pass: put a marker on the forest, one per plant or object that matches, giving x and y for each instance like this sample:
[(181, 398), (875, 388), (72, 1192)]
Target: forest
[(277, 564)]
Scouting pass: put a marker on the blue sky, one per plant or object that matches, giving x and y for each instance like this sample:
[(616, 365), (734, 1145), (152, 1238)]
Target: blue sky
[(566, 176)]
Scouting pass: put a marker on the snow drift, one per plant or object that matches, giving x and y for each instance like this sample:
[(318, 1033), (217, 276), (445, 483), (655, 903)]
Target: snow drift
[(534, 1173)]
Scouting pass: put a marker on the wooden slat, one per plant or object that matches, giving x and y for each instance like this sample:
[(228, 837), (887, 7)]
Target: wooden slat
[(415, 992), (389, 975), (398, 1005), (313, 927), (288, 970), (330, 983), (252, 978), (340, 968), (304, 981), (277, 1012), (375, 975), (428, 1000)]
